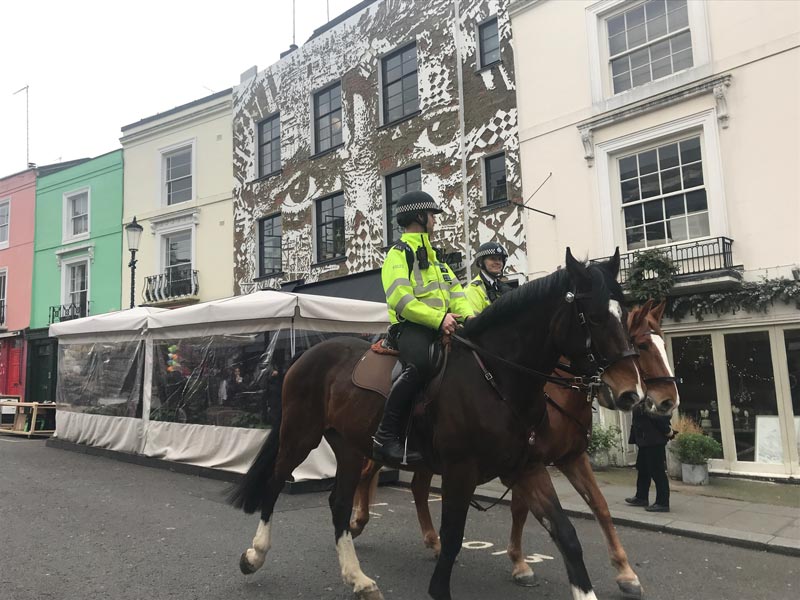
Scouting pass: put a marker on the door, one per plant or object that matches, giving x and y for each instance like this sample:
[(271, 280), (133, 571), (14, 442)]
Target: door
[(42, 386)]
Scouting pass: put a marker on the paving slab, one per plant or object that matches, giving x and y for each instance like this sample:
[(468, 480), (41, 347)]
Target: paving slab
[(746, 520)]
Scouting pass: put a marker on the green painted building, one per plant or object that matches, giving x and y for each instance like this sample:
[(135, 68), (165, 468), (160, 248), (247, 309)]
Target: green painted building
[(77, 256)]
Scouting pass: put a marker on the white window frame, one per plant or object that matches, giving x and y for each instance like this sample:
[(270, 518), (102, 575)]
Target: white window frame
[(66, 221), (4, 296), (599, 59), (5, 244), (162, 236), (65, 267), (704, 125), (162, 169), (479, 66)]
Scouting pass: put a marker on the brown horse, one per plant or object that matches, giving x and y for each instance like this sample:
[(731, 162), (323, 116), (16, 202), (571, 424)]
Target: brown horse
[(564, 441), (473, 432)]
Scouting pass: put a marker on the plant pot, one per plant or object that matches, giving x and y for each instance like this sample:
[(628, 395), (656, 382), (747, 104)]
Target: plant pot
[(600, 460), (695, 474), (673, 464)]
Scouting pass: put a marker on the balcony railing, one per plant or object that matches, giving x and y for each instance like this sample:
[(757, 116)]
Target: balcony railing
[(691, 258), (176, 283), (67, 312)]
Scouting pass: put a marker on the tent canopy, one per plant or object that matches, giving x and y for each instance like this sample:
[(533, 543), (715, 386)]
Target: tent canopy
[(127, 322)]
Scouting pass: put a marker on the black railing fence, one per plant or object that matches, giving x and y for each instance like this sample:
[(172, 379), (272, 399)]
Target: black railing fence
[(67, 312), (691, 258), (176, 282)]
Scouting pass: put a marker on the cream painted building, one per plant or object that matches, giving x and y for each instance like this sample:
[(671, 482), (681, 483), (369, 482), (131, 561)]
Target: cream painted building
[(178, 184), (676, 125)]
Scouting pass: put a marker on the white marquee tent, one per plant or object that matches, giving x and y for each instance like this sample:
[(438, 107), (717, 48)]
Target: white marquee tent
[(112, 373)]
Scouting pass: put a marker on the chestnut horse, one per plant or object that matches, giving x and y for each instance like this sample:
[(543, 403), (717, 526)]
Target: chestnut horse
[(564, 440), (473, 432)]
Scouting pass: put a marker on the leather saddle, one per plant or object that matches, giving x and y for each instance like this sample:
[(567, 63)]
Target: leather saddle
[(377, 369)]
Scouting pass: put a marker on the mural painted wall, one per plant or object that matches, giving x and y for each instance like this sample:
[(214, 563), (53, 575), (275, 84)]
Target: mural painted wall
[(350, 51)]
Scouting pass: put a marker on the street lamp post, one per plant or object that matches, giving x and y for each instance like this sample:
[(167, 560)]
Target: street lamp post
[(134, 231)]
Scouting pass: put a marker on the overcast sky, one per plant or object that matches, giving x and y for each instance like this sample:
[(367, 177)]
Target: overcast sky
[(96, 65)]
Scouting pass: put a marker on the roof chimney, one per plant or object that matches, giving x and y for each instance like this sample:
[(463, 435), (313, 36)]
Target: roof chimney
[(251, 72), (291, 49)]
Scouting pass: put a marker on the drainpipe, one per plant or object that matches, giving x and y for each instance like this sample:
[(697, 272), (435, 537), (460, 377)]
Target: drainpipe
[(462, 134)]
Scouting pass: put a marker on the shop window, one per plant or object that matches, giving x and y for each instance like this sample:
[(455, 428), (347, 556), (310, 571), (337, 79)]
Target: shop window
[(754, 404), (694, 368)]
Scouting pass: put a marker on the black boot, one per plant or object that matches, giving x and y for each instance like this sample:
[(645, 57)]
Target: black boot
[(387, 446)]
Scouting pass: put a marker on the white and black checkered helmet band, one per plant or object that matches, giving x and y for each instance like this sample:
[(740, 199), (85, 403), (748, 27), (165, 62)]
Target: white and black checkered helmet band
[(491, 250), (416, 202)]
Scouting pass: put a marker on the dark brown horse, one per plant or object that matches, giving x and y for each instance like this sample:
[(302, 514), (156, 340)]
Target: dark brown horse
[(481, 432), (563, 440)]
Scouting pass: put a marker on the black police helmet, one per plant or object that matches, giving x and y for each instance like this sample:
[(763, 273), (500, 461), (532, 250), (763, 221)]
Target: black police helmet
[(411, 204), (490, 249)]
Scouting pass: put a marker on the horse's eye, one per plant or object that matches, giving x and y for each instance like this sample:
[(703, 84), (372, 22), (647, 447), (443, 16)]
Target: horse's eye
[(641, 346)]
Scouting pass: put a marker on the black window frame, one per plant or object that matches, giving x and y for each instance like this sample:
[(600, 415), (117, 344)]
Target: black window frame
[(262, 259), (489, 187), (483, 62), (390, 200), (274, 121), (335, 138), (322, 221), (407, 108)]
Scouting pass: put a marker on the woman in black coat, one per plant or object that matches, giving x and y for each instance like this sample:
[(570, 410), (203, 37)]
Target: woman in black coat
[(650, 433)]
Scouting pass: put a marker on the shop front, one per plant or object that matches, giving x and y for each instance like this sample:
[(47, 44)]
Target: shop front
[(739, 381)]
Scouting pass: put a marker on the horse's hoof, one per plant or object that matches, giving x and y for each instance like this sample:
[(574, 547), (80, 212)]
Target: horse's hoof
[(526, 580), (369, 594), (245, 566), (631, 590)]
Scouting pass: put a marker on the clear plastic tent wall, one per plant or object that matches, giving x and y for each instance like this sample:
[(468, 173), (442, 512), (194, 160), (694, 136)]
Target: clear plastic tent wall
[(203, 382)]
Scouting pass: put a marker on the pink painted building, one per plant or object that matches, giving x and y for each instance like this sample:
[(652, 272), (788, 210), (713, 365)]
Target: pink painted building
[(17, 204)]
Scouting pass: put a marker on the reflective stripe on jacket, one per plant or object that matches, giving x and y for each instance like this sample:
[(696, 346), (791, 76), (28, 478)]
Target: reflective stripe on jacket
[(476, 294), (422, 296)]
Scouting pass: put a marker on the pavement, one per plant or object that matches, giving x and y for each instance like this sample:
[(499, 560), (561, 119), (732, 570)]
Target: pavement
[(752, 514)]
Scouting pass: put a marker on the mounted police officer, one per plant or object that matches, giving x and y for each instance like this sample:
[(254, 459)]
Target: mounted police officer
[(488, 286), (425, 300)]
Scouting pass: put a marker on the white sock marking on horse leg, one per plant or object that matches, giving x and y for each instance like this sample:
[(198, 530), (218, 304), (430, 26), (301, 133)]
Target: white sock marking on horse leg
[(579, 595), (351, 569), (261, 545)]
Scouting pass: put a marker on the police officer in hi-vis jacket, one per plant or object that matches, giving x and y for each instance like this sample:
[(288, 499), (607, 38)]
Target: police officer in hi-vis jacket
[(426, 300), (488, 285)]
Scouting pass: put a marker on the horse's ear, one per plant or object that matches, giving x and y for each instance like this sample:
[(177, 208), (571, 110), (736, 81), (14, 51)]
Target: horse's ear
[(576, 269), (639, 316), (657, 312), (613, 264)]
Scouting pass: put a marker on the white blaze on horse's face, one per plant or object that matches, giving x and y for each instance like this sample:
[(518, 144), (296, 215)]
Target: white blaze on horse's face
[(659, 344), (615, 309)]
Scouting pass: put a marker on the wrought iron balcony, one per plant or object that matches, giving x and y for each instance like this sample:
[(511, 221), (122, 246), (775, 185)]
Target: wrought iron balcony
[(691, 258), (67, 312), (176, 283)]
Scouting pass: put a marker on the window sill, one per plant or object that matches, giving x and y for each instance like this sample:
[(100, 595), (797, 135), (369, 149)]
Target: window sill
[(328, 151), (495, 205), (407, 117), (488, 67), (267, 176), (269, 276), (330, 261), (78, 238)]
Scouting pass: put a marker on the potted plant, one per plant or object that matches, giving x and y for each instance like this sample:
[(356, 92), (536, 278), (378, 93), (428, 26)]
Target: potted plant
[(603, 440), (694, 450), (681, 425)]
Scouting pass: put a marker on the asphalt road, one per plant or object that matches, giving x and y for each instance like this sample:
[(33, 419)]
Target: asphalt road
[(81, 527)]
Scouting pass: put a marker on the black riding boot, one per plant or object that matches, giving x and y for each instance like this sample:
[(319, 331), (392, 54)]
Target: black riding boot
[(387, 446)]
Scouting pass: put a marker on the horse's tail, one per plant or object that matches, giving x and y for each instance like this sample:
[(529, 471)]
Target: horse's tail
[(249, 492)]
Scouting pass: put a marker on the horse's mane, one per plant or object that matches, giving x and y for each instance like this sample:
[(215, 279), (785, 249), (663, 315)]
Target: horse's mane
[(510, 305)]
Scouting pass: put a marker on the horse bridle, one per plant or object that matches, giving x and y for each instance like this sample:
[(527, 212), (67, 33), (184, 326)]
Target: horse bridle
[(666, 378)]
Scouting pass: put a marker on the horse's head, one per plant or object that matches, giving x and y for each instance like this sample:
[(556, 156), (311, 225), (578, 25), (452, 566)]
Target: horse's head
[(644, 325), (594, 333)]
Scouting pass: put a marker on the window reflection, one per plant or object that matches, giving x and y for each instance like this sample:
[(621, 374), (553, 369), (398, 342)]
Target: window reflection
[(694, 367)]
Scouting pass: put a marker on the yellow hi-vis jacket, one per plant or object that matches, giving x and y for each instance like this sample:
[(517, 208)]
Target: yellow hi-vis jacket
[(476, 294), (422, 296)]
